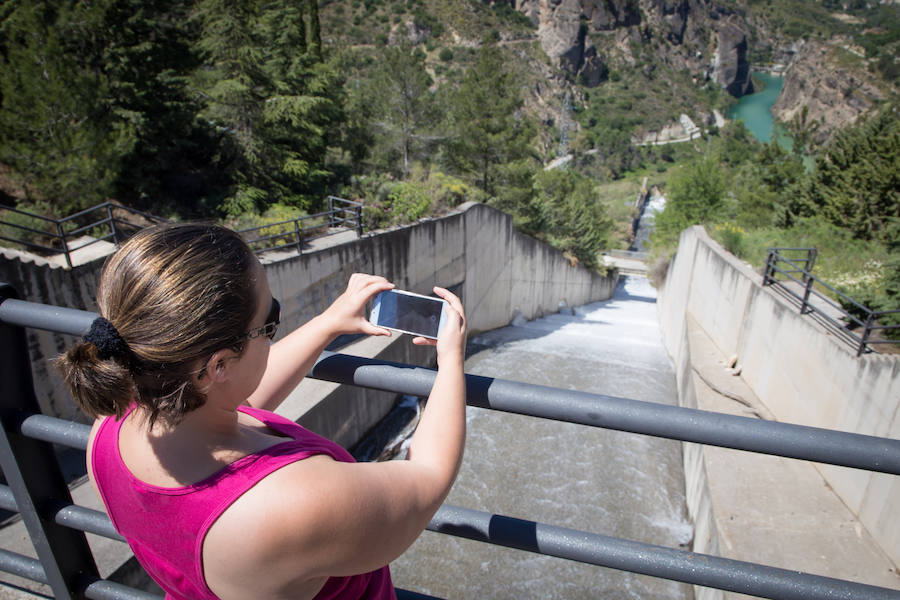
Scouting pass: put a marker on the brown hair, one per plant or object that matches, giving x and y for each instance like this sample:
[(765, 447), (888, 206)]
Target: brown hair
[(175, 294)]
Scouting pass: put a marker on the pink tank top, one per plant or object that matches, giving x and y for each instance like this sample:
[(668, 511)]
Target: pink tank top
[(165, 527)]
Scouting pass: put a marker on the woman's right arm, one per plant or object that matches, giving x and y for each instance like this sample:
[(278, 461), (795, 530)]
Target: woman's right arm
[(318, 517)]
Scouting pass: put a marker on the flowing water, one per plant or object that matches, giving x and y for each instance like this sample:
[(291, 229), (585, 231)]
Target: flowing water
[(613, 483)]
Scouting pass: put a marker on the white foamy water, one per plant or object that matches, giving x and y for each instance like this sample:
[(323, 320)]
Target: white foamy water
[(607, 482), (654, 206)]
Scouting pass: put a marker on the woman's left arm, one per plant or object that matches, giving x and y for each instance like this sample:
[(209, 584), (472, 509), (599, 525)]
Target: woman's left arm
[(291, 357)]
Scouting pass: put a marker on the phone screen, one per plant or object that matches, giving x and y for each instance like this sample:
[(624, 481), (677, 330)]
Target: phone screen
[(413, 314)]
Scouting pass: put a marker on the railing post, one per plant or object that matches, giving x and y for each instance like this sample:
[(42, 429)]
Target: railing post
[(359, 221), (769, 264), (112, 223), (331, 211), (809, 284), (865, 334), (299, 236), (32, 471), (65, 244), (811, 259)]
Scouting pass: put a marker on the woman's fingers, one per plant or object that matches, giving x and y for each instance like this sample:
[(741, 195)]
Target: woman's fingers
[(453, 301), (347, 313)]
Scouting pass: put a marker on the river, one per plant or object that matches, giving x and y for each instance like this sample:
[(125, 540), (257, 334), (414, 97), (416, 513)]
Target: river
[(755, 110), (608, 482)]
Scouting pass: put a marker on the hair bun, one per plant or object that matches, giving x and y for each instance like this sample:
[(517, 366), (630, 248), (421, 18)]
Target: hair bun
[(106, 338)]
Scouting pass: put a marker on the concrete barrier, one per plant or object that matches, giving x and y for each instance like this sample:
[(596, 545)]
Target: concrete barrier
[(800, 372), (475, 251)]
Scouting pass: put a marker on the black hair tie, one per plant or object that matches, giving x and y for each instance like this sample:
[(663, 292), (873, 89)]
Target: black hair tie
[(104, 335)]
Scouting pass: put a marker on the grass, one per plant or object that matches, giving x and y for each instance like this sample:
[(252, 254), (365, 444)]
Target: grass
[(619, 197), (843, 263)]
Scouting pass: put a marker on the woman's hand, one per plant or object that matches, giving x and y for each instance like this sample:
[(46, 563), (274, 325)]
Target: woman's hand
[(347, 314), (291, 357), (451, 342)]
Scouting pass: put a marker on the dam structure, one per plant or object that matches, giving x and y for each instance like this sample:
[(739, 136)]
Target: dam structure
[(615, 437)]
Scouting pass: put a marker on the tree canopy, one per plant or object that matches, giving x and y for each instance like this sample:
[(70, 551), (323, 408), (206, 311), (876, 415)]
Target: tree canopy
[(857, 179)]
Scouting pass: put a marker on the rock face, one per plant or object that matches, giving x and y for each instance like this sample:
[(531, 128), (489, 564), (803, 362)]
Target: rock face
[(731, 68), (834, 96), (584, 36)]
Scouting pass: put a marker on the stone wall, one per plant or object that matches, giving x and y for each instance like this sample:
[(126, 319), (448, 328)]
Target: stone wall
[(801, 373)]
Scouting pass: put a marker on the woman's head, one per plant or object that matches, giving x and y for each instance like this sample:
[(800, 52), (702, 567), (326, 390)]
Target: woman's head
[(175, 294)]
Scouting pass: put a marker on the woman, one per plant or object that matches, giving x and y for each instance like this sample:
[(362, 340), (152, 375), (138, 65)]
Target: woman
[(218, 497)]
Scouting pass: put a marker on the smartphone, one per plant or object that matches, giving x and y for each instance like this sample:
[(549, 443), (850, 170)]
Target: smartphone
[(410, 313)]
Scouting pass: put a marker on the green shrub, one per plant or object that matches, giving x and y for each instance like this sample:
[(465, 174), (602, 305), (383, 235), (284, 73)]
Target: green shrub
[(278, 221), (409, 202), (245, 200), (731, 237), (389, 203), (877, 287), (447, 191), (446, 54)]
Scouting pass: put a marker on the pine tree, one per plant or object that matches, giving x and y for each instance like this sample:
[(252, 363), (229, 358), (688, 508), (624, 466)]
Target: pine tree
[(856, 183), (61, 135), (567, 213), (302, 109), (315, 32), (488, 127), (403, 106), (146, 52), (235, 82)]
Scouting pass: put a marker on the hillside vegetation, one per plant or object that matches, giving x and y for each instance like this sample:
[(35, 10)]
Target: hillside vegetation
[(254, 111)]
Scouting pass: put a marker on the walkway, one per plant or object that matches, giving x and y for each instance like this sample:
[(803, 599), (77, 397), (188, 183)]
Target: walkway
[(772, 510), (87, 249)]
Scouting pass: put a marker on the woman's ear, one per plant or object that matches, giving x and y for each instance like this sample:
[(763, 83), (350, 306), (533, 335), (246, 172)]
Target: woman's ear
[(215, 370), (218, 365)]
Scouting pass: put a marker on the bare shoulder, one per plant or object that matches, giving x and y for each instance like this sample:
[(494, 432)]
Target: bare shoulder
[(260, 540), (90, 446), (313, 519)]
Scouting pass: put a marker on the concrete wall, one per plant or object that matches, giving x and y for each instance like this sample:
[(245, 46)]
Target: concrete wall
[(37, 280), (800, 372), (475, 251)]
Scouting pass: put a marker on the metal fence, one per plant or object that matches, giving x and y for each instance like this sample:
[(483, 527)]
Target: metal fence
[(104, 222), (794, 265), (115, 223), (342, 215), (38, 492)]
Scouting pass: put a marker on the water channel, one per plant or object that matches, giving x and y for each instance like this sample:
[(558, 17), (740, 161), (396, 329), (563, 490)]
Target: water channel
[(608, 482)]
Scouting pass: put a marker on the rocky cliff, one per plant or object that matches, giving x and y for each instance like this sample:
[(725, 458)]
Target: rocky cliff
[(821, 79), (585, 37)]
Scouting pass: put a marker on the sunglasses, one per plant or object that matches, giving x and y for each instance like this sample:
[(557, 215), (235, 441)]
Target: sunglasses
[(271, 326)]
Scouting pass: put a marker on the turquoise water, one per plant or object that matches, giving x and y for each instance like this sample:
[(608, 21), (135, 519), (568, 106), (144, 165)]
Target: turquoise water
[(755, 110)]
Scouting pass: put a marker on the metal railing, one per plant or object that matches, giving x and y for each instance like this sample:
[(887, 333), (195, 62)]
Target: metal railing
[(342, 215), (37, 490), (795, 264), (103, 222)]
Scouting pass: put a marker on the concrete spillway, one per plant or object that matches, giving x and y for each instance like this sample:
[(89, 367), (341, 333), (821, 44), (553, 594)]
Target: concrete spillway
[(613, 483)]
